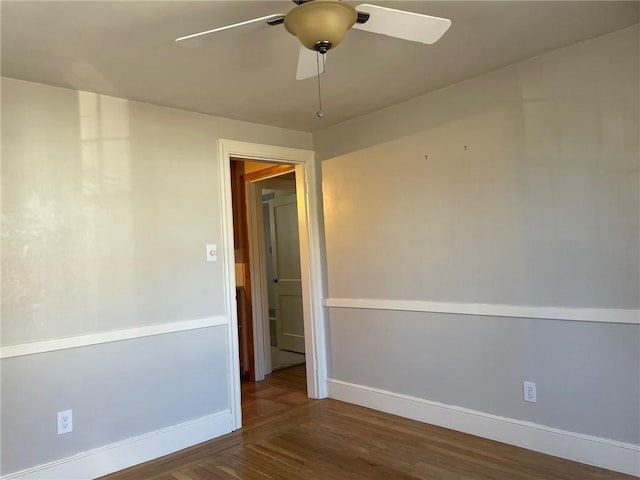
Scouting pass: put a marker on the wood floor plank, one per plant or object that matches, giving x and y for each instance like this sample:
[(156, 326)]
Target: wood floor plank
[(287, 436)]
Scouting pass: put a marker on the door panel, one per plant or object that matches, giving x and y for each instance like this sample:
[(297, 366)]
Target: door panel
[(285, 217), (288, 286), (289, 317)]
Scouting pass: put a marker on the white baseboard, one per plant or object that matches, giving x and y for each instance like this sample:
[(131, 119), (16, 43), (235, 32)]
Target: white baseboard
[(600, 452), (132, 451)]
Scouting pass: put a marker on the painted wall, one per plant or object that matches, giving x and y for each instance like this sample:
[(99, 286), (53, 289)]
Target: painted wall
[(519, 187), (107, 206)]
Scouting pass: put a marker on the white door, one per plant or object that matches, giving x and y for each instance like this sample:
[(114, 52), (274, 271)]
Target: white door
[(286, 268)]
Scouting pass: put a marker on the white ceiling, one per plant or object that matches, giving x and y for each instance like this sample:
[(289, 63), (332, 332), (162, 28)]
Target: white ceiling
[(127, 49)]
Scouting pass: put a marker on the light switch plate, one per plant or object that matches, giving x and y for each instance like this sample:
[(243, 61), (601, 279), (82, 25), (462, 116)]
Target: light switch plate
[(212, 253)]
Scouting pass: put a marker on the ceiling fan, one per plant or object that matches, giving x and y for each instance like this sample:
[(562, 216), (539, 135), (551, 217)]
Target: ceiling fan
[(320, 25)]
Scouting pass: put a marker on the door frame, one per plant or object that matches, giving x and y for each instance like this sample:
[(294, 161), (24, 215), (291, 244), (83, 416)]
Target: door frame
[(254, 182), (310, 261)]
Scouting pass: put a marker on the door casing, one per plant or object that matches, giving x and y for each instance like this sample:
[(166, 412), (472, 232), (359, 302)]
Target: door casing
[(310, 262)]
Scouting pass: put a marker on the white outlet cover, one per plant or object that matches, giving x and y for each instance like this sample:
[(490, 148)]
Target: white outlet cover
[(65, 422), (529, 392)]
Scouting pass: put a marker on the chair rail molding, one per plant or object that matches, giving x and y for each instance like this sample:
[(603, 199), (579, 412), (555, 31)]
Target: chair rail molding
[(44, 346), (602, 315)]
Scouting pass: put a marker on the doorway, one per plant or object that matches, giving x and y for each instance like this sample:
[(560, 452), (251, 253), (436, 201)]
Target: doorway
[(268, 218), (284, 289), (311, 282)]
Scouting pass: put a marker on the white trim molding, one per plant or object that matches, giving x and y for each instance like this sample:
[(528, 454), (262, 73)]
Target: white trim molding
[(43, 346), (600, 452), (307, 190), (602, 315), (132, 451)]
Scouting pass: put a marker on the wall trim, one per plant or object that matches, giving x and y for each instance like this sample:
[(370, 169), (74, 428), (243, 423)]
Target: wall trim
[(44, 346), (132, 451), (602, 315), (600, 452), (309, 227)]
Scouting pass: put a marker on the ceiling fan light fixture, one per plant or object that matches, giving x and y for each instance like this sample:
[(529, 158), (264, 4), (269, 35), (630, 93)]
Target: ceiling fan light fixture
[(320, 24)]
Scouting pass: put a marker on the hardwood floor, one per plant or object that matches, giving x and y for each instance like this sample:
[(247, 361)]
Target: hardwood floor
[(288, 436), (294, 378), (279, 392)]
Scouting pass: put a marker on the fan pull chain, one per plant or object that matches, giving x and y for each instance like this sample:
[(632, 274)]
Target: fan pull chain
[(320, 112)]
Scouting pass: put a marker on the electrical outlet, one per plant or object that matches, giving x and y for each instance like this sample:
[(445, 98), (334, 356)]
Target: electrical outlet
[(65, 422), (529, 390)]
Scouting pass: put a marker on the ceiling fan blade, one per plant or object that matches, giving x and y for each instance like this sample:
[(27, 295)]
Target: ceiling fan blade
[(411, 26), (308, 62), (255, 22)]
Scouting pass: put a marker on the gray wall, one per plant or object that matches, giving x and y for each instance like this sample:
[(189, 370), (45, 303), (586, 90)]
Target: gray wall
[(116, 390), (586, 373), (541, 209), (107, 206)]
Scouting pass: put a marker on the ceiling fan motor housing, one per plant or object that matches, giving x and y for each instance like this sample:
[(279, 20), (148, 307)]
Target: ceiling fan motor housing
[(320, 24)]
